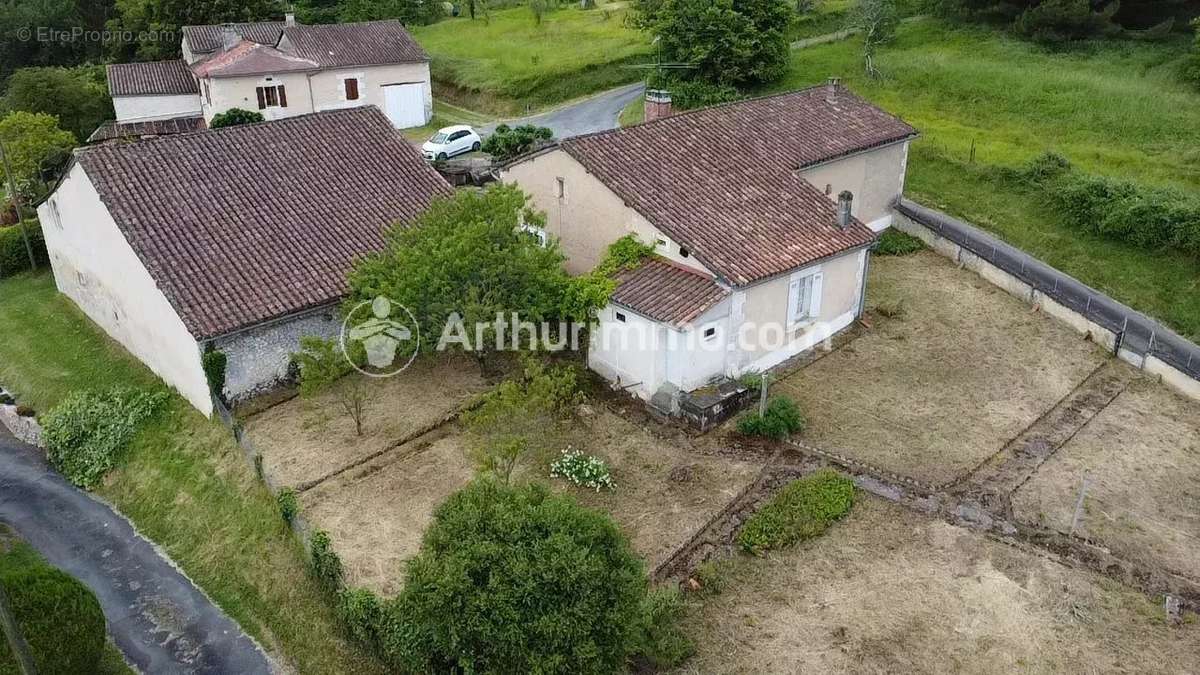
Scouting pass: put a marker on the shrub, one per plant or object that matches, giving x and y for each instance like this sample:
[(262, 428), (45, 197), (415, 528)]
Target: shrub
[(234, 117), (288, 504), (751, 380), (508, 142), (214, 363), (660, 640), (1053, 21), (582, 470), (363, 614), (59, 617), (517, 580), (14, 258), (895, 242), (86, 431), (691, 94), (802, 510), (325, 563), (781, 419)]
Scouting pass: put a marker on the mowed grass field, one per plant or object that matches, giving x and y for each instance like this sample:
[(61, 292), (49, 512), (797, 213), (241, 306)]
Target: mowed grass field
[(1113, 108), (509, 63), (185, 484)]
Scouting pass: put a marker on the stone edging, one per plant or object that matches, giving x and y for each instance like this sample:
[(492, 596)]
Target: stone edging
[(25, 429)]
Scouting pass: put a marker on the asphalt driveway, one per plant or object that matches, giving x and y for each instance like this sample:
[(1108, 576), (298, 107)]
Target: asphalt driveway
[(156, 616)]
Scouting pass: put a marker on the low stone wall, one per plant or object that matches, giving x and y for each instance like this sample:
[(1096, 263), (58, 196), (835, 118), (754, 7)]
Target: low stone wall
[(258, 359), (1130, 335)]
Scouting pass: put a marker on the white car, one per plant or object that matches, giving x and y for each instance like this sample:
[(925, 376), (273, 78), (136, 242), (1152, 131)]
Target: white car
[(451, 141)]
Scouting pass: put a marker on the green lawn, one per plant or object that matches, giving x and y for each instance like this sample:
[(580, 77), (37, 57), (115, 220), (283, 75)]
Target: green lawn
[(508, 63), (185, 484), (1113, 108)]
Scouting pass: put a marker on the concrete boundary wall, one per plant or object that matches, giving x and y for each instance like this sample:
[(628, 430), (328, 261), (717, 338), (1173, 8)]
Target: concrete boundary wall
[(1133, 336)]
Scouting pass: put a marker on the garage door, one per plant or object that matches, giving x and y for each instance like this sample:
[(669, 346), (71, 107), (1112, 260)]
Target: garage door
[(405, 105)]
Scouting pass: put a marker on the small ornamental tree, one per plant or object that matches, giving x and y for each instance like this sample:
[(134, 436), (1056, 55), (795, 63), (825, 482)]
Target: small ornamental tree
[(234, 117), (324, 367), (518, 580), (877, 21)]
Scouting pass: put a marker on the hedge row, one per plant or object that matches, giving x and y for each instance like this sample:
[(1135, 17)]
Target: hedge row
[(1140, 215), (14, 258)]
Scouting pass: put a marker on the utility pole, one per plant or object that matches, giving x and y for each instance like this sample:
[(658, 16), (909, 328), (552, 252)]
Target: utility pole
[(762, 395), (16, 641), (16, 200)]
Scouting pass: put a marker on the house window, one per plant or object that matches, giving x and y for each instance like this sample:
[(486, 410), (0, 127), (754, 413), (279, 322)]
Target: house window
[(710, 332), (804, 297), (620, 317), (560, 188), (683, 252), (272, 96), (351, 85)]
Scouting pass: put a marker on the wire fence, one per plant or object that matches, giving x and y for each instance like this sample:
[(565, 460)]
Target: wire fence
[(1136, 332)]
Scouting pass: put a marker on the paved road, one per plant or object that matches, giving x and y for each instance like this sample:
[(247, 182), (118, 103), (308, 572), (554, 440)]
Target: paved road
[(159, 620), (596, 113)]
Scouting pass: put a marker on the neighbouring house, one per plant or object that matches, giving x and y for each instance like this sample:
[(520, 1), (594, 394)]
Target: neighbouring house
[(762, 214), (279, 69), (235, 239)]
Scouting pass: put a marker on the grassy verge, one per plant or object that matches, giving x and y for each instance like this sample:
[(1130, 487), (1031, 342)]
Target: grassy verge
[(634, 113), (508, 63), (184, 484), (982, 99)]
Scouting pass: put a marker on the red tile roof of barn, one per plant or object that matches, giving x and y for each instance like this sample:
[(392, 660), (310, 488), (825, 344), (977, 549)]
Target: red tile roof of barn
[(353, 44), (249, 223), (724, 181), (205, 39), (150, 78), (665, 291)]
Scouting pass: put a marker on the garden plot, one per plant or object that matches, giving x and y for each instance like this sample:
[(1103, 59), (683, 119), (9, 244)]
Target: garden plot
[(958, 370), (888, 590), (1141, 456), (376, 513), (305, 440)]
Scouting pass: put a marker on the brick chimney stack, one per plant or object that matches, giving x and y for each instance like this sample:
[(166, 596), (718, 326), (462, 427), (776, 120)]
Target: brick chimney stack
[(289, 18), (844, 203), (658, 104), (229, 37), (831, 89)]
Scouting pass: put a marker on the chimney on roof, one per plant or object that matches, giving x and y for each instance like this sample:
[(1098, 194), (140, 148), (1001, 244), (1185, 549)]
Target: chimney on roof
[(658, 104), (844, 203), (289, 17), (229, 37), (831, 89)]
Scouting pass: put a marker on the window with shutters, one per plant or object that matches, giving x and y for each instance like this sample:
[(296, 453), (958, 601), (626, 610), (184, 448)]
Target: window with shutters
[(804, 297), (351, 86), (273, 96)]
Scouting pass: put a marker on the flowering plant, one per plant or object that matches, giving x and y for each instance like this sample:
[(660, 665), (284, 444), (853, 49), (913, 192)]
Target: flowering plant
[(583, 470)]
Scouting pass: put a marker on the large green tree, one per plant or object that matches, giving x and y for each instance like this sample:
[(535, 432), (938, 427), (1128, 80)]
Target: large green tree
[(166, 18), (408, 12), (39, 32), (731, 42), (77, 96), (36, 148)]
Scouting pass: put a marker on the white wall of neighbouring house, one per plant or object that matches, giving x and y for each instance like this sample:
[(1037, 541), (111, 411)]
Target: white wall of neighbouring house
[(134, 108), (874, 177), (583, 213), (226, 93), (329, 89), (97, 269)]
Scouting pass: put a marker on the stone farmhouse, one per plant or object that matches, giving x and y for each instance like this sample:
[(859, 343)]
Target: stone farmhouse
[(762, 214), (279, 69), (237, 239)]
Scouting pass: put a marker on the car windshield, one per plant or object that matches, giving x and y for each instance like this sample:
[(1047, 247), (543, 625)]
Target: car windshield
[(439, 137)]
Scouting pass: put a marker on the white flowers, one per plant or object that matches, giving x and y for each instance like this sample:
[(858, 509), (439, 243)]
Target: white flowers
[(582, 470)]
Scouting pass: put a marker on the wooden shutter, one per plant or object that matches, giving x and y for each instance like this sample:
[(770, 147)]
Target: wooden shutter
[(351, 88), (262, 97), (282, 97), (793, 301), (815, 305)]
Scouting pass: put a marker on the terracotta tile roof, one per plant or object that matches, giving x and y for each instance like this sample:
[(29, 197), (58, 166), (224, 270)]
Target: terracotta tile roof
[(250, 58), (723, 181), (664, 291), (178, 125), (244, 224), (153, 77), (205, 39), (353, 44)]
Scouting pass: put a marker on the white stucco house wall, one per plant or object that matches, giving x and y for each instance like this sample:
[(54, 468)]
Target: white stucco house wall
[(184, 243), (151, 91), (761, 213)]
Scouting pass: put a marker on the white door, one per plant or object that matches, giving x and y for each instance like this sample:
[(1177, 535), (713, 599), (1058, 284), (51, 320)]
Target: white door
[(404, 105)]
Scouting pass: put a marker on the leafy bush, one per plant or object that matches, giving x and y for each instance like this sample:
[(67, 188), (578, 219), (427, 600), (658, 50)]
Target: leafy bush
[(14, 258), (364, 616), (86, 431), (802, 510), (59, 617), (781, 419), (508, 142), (660, 639), (77, 96), (214, 363), (582, 470), (751, 380), (1054, 21), (234, 117), (895, 242), (517, 580), (1191, 63), (289, 506), (325, 563), (692, 94)]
